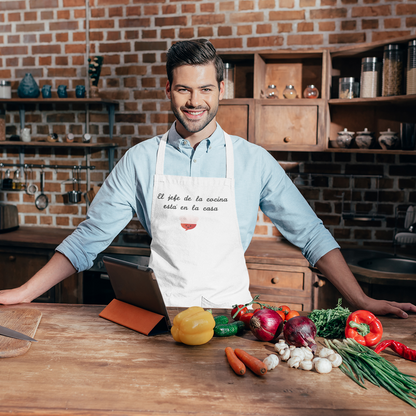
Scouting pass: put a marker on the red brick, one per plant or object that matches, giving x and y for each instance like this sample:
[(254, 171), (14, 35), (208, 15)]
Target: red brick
[(369, 24), (307, 3), (149, 95), (265, 41), (46, 49), (97, 13), (333, 13), (80, 36), (61, 37), (111, 2), (63, 14), (45, 60), (305, 27), (115, 12), (287, 15), (30, 27), (46, 15), (227, 43), (326, 26), (73, 3), (379, 36), (246, 17), (148, 82), (79, 14), (284, 27), (207, 7), (167, 34), (45, 38), (411, 22), (131, 34), (104, 24), (304, 40), (113, 35), (29, 61), (347, 38), (186, 33), (267, 4), (205, 32), (287, 4), (225, 31), (12, 5), (30, 16), (263, 29), (114, 47), (392, 23), (244, 30), (149, 58), (61, 61), (75, 48), (131, 70), (188, 8), (130, 82), (245, 5), (159, 70), (328, 2), (146, 34), (348, 25), (5, 73), (171, 21), (78, 60), (406, 9), (133, 11), (208, 19), (168, 9), (44, 4), (13, 39), (150, 46), (384, 10)]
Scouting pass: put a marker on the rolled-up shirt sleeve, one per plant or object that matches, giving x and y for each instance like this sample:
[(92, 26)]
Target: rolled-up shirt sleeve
[(286, 207), (110, 211)]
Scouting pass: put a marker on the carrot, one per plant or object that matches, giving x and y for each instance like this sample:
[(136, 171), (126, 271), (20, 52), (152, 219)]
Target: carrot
[(238, 367), (254, 364)]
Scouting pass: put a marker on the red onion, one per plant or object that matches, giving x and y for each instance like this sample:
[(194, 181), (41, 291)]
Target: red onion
[(300, 331), (266, 324)]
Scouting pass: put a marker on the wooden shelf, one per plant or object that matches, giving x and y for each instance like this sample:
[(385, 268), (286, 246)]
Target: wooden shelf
[(48, 144), (372, 151), (398, 100), (41, 100)]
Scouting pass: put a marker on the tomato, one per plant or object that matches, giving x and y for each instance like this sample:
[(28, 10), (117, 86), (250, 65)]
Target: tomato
[(285, 309), (291, 314), (246, 319), (282, 315), (242, 312)]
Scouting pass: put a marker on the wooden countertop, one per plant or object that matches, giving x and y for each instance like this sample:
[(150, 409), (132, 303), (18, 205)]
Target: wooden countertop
[(85, 365)]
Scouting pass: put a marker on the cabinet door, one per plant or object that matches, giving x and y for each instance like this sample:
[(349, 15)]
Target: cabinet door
[(279, 284), (234, 117)]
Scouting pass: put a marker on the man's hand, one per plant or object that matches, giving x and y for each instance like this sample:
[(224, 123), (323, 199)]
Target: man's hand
[(12, 296), (384, 307)]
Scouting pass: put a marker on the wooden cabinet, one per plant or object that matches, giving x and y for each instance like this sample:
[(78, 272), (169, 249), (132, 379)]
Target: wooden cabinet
[(280, 274)]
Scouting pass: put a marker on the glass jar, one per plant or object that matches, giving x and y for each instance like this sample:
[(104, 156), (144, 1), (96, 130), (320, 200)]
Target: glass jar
[(411, 67), (370, 77), (392, 70), (2, 125), (348, 88), (311, 92), (272, 92), (7, 181), (289, 92), (5, 89), (16, 183), (228, 80)]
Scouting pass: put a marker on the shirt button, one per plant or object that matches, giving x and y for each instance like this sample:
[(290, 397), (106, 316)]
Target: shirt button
[(194, 160), (210, 147)]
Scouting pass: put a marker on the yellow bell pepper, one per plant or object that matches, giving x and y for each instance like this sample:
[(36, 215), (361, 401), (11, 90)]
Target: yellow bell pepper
[(193, 326)]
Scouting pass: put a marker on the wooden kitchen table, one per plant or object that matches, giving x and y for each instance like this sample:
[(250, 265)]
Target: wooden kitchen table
[(85, 365)]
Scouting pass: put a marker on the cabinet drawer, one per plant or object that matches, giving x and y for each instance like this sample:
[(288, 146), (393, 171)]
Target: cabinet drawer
[(277, 279)]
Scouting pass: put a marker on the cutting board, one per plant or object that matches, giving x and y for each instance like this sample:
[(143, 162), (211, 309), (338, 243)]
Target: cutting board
[(25, 321)]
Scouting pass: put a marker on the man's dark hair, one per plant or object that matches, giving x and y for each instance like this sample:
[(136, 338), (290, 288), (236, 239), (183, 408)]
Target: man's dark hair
[(193, 52)]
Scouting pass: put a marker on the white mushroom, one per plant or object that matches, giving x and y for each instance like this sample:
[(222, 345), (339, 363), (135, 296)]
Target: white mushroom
[(286, 355), (335, 359), (281, 346), (306, 365), (271, 361), (297, 352), (323, 366), (294, 362), (292, 347), (326, 352), (308, 353)]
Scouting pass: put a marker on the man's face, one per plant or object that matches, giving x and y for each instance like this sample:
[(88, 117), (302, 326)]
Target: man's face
[(194, 96)]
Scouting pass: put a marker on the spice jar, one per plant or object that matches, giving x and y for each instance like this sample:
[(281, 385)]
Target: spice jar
[(311, 92), (392, 70), (364, 139), (2, 125), (348, 87), (228, 80), (370, 77), (388, 140), (272, 92), (289, 92), (411, 67), (5, 89)]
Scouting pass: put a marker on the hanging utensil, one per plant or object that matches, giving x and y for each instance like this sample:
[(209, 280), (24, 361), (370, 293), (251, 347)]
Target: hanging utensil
[(41, 201), (31, 188)]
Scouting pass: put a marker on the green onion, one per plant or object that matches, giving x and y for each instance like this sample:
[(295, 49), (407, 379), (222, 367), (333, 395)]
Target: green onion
[(360, 362)]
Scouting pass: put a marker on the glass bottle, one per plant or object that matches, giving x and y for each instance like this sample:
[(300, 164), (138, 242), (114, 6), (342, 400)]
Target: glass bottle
[(370, 77), (229, 92), (289, 92), (311, 92), (411, 67), (2, 125), (348, 87), (392, 70), (272, 92), (16, 184), (7, 181)]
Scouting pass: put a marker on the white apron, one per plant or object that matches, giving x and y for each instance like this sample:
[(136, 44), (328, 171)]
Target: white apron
[(196, 250)]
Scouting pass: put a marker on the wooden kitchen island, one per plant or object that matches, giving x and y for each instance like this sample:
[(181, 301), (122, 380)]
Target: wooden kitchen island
[(85, 365)]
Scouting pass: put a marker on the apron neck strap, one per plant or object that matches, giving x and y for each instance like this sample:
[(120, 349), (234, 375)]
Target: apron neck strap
[(160, 161)]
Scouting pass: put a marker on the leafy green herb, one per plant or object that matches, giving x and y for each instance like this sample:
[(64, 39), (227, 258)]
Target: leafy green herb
[(330, 323)]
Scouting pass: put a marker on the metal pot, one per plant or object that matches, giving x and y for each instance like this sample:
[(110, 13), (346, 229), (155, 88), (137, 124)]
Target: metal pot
[(74, 197)]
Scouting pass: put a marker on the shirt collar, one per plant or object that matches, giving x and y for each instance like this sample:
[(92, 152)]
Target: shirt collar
[(215, 140)]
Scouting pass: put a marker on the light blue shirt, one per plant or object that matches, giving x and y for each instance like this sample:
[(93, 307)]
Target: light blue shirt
[(259, 181)]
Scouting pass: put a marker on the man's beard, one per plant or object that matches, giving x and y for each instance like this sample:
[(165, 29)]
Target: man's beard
[(196, 126)]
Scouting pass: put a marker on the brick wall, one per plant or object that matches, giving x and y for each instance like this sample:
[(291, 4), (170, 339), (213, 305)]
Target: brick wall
[(48, 38)]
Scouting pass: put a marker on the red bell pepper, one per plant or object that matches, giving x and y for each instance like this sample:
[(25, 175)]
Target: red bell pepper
[(364, 327)]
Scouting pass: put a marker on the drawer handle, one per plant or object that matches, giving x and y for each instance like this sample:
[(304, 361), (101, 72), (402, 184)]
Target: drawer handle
[(319, 283), (275, 280), (12, 258), (286, 139)]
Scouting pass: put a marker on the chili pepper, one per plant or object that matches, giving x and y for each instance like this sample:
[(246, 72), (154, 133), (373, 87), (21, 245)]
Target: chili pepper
[(364, 327), (401, 349)]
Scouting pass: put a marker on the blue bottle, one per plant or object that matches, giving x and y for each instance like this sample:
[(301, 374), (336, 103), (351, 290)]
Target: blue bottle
[(62, 93)]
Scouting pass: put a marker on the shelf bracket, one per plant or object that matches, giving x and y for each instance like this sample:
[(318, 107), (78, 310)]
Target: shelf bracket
[(22, 116), (111, 117), (110, 159)]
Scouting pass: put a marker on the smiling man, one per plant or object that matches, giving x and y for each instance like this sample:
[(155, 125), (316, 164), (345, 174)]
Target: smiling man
[(197, 190)]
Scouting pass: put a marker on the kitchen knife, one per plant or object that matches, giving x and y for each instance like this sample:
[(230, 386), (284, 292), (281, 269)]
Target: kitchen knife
[(14, 334)]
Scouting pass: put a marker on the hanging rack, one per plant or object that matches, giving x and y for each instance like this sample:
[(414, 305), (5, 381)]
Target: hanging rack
[(33, 165)]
